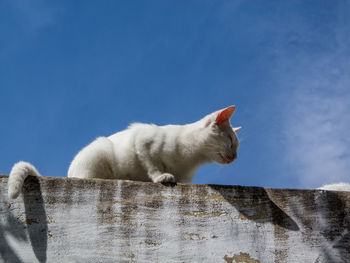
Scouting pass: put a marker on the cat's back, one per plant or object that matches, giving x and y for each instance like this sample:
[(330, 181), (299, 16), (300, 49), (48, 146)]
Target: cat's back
[(127, 142), (145, 136), (135, 130)]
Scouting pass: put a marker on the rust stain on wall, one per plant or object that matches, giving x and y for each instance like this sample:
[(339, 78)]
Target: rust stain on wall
[(195, 236), (105, 211), (241, 258), (206, 214), (150, 242), (30, 221)]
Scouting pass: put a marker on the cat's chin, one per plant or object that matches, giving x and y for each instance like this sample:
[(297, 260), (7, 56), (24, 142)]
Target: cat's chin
[(223, 160)]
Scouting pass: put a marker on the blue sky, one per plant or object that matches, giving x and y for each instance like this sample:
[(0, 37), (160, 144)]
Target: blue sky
[(71, 71)]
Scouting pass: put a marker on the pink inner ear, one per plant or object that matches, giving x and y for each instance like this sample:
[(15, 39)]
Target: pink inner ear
[(225, 115)]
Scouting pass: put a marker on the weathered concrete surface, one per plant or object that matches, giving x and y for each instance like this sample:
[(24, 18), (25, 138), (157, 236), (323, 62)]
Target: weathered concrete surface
[(71, 220)]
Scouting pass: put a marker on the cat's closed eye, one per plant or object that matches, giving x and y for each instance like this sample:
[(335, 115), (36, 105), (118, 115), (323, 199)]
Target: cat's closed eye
[(231, 140)]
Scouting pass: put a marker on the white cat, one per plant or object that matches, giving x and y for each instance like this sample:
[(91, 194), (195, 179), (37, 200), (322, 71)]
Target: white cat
[(336, 187), (146, 152)]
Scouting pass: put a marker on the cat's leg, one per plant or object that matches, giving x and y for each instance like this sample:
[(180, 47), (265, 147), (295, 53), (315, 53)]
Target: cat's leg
[(162, 178), (154, 171), (148, 152)]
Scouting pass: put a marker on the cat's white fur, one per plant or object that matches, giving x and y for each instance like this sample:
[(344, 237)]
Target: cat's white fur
[(147, 152), (336, 187)]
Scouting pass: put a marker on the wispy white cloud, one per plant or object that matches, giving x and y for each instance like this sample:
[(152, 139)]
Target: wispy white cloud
[(317, 118), (318, 142)]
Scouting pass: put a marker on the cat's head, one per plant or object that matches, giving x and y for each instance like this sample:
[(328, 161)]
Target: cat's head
[(222, 142)]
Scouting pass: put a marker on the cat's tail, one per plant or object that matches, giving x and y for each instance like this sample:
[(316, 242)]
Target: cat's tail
[(20, 171)]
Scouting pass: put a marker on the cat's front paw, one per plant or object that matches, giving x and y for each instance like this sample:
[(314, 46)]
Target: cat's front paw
[(165, 178)]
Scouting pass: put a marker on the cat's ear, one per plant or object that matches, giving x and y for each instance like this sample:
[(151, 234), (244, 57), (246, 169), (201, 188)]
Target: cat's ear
[(224, 115), (237, 129)]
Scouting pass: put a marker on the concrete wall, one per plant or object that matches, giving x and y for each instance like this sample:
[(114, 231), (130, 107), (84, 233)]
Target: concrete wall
[(70, 220)]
